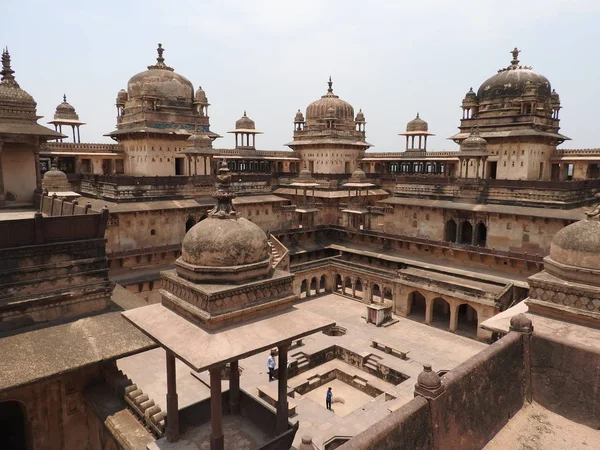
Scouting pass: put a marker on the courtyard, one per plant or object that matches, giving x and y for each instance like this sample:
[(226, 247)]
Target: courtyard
[(367, 382)]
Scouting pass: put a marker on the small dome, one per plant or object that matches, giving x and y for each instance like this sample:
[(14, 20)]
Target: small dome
[(199, 140), (555, 97), (578, 245), (121, 97), (216, 242), (360, 117), (428, 379), (299, 117), (330, 105), (473, 142), (14, 101), (513, 82), (65, 111), (200, 97), (305, 174), (358, 176), (417, 124), (471, 96), (161, 82), (521, 323), (55, 180), (245, 123)]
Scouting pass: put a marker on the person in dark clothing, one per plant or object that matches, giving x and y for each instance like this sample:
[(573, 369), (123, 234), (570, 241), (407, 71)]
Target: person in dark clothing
[(328, 398)]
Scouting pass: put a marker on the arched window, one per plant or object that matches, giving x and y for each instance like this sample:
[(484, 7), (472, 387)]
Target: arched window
[(450, 231), (466, 233), (481, 236)]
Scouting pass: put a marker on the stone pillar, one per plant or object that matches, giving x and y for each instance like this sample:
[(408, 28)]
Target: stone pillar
[(282, 402), (172, 401), (454, 317), (353, 280), (38, 175), (234, 387), (428, 310), (2, 194), (522, 324), (217, 441)]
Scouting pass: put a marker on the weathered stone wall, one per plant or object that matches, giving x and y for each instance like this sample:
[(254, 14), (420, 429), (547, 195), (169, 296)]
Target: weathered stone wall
[(407, 428), (480, 397), (565, 378), (18, 171)]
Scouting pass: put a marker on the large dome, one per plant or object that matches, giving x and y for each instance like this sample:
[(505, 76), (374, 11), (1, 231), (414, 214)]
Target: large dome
[(514, 81), (330, 105), (216, 242), (578, 245), (160, 81), (14, 101)]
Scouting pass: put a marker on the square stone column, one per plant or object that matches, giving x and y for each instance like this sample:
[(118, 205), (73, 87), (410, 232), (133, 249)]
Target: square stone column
[(2, 194), (282, 402), (234, 387), (172, 400), (217, 441)]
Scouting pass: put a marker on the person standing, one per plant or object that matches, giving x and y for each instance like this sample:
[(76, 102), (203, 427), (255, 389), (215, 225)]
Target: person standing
[(328, 398), (271, 367)]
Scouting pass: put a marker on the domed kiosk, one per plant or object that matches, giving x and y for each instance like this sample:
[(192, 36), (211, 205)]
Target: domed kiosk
[(224, 302), (569, 285)]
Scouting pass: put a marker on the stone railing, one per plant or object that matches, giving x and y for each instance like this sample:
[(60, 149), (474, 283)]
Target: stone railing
[(412, 154), (75, 147), (576, 152)]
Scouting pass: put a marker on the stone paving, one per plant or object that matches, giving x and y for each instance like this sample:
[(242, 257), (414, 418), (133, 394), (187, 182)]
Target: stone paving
[(425, 344)]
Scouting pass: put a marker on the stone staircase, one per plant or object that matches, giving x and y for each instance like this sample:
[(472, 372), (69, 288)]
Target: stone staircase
[(372, 362), (276, 256), (301, 360), (149, 413)]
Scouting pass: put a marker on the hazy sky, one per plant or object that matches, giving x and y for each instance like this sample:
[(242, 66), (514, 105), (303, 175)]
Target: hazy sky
[(391, 58)]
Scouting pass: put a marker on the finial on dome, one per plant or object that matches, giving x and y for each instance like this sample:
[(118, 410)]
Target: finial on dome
[(330, 84), (418, 115), (595, 212), (245, 113), (160, 60), (64, 98), (7, 72), (515, 54), (224, 208)]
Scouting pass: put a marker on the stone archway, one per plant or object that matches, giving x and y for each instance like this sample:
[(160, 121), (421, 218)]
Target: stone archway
[(466, 233), (339, 284), (417, 306), (481, 234), (358, 289), (440, 314), (323, 284), (348, 286), (387, 294), (467, 320), (14, 429), (304, 289), (314, 287), (376, 293), (450, 231), (189, 223)]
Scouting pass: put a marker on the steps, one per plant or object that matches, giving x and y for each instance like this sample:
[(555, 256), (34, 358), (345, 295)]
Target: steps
[(302, 361), (372, 362), (276, 256)]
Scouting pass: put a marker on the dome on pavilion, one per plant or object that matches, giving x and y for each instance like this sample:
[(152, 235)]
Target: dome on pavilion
[(330, 105)]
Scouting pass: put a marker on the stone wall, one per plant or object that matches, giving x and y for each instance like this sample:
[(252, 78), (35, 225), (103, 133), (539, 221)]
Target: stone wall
[(18, 171), (565, 378)]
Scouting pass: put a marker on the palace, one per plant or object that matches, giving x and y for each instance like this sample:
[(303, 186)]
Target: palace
[(357, 269)]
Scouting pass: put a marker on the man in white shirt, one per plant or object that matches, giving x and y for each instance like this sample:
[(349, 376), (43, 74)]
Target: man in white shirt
[(271, 367)]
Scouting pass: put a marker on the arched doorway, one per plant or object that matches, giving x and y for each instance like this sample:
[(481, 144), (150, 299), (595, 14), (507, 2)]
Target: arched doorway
[(481, 234), (450, 231), (376, 293), (358, 289), (303, 293), (467, 320), (348, 286), (417, 306), (323, 284), (466, 233), (339, 287), (387, 294), (13, 426), (440, 316), (189, 223), (313, 287)]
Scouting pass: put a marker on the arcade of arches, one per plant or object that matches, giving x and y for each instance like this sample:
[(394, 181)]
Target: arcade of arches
[(465, 232), (454, 314)]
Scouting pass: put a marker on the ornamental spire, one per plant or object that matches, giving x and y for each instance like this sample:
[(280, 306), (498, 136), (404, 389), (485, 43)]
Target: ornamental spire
[(224, 208), (515, 55), (64, 98), (330, 84), (7, 72), (160, 61)]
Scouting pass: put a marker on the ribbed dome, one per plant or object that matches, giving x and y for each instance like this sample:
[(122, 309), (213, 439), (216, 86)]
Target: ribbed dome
[(470, 96), (245, 123), (14, 101), (228, 242), (122, 97), (330, 105), (360, 117), (161, 82), (578, 245), (200, 97), (514, 81), (417, 124), (65, 111), (358, 176), (474, 142), (55, 180), (299, 117)]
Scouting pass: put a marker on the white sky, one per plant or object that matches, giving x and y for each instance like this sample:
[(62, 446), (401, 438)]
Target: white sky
[(391, 58)]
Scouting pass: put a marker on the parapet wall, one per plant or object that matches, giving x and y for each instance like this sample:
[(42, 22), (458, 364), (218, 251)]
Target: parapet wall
[(565, 378)]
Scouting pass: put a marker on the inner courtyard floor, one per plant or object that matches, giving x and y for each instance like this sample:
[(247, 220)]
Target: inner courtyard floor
[(422, 343)]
